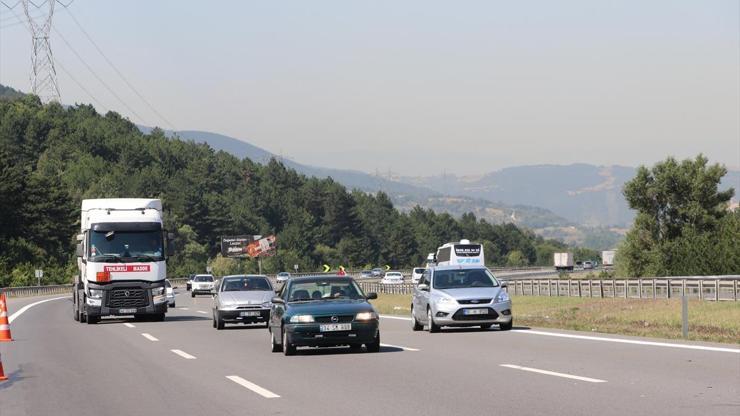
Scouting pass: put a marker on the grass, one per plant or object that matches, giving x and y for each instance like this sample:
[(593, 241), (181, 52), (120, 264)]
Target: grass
[(659, 318)]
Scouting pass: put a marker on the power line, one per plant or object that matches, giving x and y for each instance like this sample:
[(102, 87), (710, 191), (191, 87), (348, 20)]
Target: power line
[(125, 80), (89, 68), (82, 87)]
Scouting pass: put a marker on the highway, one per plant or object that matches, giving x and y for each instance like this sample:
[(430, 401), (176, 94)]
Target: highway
[(183, 366)]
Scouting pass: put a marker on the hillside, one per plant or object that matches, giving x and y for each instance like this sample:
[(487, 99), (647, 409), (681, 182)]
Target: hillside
[(583, 194)]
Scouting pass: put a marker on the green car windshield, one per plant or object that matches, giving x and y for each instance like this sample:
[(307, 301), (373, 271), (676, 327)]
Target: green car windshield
[(315, 290)]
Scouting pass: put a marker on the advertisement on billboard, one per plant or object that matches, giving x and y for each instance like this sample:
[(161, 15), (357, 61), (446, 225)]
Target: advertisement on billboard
[(248, 246)]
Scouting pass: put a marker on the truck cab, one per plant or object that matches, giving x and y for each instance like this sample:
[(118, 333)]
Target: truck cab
[(121, 256)]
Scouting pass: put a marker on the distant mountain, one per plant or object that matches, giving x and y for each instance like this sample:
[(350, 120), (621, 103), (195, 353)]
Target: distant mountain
[(583, 194), (404, 195)]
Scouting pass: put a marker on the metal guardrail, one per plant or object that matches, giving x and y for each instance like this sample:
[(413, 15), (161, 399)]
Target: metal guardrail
[(715, 288), (24, 291)]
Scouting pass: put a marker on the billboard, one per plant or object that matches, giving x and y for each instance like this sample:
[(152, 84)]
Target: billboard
[(248, 245), (263, 247)]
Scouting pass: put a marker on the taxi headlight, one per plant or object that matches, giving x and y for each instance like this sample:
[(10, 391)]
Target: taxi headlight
[(301, 319), (366, 316)]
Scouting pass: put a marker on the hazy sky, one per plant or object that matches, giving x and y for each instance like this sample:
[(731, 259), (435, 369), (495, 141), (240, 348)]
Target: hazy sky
[(417, 87)]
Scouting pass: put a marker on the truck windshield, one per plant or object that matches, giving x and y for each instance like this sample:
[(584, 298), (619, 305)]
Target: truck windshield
[(459, 279), (112, 246)]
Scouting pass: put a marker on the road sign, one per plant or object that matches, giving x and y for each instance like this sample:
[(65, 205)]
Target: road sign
[(208, 269), (327, 268), (39, 273), (387, 267), (295, 267)]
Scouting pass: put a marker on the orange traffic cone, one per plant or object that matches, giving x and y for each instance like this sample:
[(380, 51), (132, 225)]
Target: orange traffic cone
[(2, 373), (4, 324)]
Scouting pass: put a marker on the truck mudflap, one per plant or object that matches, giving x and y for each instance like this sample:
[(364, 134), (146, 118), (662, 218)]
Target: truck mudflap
[(127, 298)]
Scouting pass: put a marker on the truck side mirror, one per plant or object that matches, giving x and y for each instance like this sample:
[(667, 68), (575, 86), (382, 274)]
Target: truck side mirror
[(170, 236), (79, 251)]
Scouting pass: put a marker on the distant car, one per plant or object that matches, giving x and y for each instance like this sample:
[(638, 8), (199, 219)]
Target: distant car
[(416, 274), (366, 274), (323, 311), (189, 283), (170, 293), (392, 278), (202, 284), (282, 277), (242, 299), (457, 296), (377, 272), (588, 265)]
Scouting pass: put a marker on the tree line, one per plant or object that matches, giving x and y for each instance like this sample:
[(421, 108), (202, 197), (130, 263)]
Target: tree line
[(52, 157)]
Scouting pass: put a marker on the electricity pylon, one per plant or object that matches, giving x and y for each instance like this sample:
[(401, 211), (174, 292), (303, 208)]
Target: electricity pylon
[(43, 73)]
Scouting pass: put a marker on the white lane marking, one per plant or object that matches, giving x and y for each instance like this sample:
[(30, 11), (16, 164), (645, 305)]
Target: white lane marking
[(149, 337), (184, 309), (20, 311), (129, 325), (402, 318), (630, 341), (251, 386), (183, 354), (399, 346), (553, 373), (203, 312)]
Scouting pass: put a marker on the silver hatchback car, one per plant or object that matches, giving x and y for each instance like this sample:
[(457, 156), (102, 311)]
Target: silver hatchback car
[(242, 299), (460, 296)]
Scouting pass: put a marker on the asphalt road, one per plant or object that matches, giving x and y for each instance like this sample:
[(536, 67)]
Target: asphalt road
[(60, 367)]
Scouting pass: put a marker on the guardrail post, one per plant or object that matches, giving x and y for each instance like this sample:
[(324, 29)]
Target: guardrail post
[(654, 287), (614, 288), (701, 289), (683, 287), (626, 288), (734, 292), (601, 288), (685, 316), (580, 293), (590, 288), (668, 290), (716, 290), (639, 288)]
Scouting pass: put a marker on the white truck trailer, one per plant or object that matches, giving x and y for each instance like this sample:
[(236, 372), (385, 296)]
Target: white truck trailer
[(607, 258), (563, 261), (121, 259)]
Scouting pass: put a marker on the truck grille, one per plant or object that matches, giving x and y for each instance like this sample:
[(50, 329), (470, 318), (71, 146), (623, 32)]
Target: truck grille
[(127, 298)]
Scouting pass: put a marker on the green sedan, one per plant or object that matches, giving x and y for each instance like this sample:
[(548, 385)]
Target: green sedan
[(323, 311)]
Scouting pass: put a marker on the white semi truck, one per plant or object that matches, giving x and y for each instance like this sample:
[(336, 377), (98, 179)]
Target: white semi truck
[(563, 261), (121, 259), (607, 258)]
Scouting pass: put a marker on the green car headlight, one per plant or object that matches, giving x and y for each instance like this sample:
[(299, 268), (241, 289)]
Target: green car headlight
[(302, 319)]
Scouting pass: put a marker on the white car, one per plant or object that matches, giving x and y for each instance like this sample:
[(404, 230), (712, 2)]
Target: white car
[(282, 277), (416, 274), (392, 278), (202, 285), (170, 293)]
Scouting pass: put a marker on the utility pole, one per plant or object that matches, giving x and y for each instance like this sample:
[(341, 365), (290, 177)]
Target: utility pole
[(43, 74)]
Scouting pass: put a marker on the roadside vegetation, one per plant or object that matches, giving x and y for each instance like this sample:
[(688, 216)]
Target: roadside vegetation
[(660, 318), (683, 225)]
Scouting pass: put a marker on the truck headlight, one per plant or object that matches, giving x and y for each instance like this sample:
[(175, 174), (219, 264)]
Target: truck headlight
[(156, 291), (95, 293), (502, 297), (366, 316), (301, 319)]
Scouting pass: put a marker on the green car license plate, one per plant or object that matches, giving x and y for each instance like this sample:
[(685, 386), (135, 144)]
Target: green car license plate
[(335, 327), (475, 312)]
